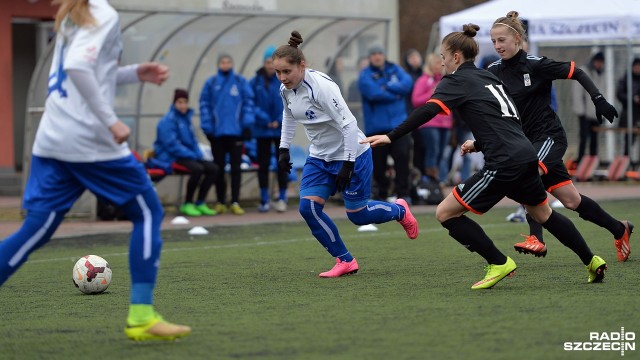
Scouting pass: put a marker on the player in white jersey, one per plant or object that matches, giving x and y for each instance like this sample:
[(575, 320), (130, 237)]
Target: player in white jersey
[(81, 144), (336, 162)]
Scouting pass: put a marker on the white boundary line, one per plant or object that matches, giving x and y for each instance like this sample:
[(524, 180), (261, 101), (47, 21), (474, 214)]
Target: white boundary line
[(263, 243)]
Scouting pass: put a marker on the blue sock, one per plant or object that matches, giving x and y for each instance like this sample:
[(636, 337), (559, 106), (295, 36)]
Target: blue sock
[(145, 245), (324, 229), (198, 203), (377, 212), (142, 293), (283, 195), (264, 195)]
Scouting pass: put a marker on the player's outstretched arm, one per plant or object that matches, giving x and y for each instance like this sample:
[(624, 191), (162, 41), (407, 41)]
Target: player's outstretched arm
[(153, 72), (376, 140)]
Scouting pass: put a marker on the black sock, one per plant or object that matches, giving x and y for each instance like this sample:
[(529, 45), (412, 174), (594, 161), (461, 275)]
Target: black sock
[(468, 233), (563, 229), (535, 228), (591, 211)]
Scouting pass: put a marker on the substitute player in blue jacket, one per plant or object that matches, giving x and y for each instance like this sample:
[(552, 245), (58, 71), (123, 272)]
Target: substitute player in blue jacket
[(81, 145), (511, 164), (176, 142), (384, 87), (336, 161), (266, 130), (226, 118)]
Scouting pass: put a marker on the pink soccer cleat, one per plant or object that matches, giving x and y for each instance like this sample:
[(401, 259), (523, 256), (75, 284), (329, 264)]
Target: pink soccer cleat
[(341, 268), (408, 222)]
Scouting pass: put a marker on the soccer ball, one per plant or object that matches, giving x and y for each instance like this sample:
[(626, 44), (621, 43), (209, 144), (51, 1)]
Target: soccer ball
[(92, 274)]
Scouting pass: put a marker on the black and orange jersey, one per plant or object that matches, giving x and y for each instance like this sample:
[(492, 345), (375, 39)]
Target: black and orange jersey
[(528, 79), (480, 100)]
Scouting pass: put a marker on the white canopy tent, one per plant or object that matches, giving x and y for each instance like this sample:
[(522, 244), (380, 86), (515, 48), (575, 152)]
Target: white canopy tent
[(560, 24), (593, 21)]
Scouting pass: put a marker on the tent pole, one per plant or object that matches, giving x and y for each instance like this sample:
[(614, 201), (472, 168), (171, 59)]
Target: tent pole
[(629, 98)]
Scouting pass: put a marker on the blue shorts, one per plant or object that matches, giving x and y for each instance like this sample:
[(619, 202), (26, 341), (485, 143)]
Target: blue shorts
[(319, 179), (55, 185)]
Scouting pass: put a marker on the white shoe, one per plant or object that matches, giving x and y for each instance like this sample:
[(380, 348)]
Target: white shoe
[(519, 216), (557, 204), (280, 206)]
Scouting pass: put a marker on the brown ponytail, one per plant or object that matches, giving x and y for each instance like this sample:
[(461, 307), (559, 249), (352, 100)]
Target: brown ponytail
[(291, 52), (511, 21), (463, 42)]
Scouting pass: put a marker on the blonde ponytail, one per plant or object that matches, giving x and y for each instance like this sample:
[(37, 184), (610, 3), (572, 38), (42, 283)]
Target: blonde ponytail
[(77, 10)]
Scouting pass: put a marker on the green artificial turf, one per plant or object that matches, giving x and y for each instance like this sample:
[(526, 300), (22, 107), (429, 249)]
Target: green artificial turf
[(252, 292)]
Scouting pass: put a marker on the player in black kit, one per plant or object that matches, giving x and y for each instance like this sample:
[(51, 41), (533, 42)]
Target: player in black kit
[(511, 164), (528, 79)]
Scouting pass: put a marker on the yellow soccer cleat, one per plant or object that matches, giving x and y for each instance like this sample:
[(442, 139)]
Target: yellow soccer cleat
[(236, 209), (596, 269), (157, 329), (496, 273)]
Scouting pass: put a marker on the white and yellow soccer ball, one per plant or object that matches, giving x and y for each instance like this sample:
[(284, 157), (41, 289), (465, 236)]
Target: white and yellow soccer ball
[(92, 274)]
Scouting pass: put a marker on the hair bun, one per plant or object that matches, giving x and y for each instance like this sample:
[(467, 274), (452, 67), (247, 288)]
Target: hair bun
[(513, 14), (470, 29), (295, 39)]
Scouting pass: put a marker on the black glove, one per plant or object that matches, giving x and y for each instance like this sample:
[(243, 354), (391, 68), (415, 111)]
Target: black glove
[(246, 134), (284, 161), (603, 108), (343, 180)]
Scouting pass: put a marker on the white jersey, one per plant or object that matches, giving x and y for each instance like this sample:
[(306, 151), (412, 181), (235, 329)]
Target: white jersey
[(69, 130), (318, 105)]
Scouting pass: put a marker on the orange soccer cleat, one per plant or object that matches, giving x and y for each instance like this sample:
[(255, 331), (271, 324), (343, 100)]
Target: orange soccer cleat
[(531, 245), (622, 244)]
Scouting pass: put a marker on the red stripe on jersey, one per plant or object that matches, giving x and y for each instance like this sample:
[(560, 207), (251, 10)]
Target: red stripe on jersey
[(444, 107), (573, 67), (543, 167), (464, 204), (559, 185)]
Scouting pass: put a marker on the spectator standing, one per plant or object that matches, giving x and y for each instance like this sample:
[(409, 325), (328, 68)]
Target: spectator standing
[(226, 118), (176, 142), (437, 132), (384, 87), (584, 108), (413, 64), (266, 130), (623, 95)]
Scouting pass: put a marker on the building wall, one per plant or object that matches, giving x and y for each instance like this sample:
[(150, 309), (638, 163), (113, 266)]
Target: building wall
[(33, 9), (416, 19)]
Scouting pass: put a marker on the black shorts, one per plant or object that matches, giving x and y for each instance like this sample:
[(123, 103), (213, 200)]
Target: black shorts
[(487, 187), (550, 155)]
